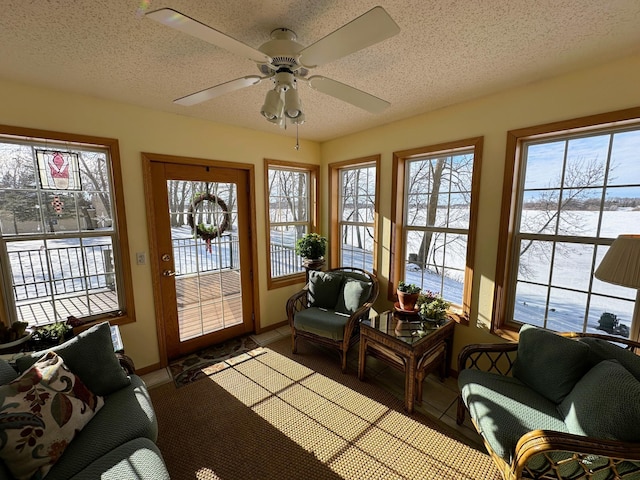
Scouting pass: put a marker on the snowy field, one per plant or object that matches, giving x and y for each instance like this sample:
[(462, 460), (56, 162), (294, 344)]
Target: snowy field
[(569, 305)]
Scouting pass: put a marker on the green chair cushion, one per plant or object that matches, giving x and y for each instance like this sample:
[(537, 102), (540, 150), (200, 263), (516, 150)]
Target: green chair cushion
[(353, 294), (325, 323), (548, 363), (600, 350), (324, 288), (604, 404), (504, 409), (89, 355)]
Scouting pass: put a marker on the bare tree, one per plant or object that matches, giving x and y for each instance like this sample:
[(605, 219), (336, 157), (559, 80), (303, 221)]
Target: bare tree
[(552, 204)]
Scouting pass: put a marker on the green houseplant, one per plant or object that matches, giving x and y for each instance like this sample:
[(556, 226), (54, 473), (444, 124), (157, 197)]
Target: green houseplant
[(312, 246), (408, 294), (432, 307)]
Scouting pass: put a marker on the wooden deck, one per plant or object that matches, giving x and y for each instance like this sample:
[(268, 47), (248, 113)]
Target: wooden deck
[(209, 302), (40, 312), (206, 303)]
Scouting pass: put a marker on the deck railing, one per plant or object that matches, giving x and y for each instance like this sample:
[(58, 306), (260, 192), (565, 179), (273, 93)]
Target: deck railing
[(73, 269)]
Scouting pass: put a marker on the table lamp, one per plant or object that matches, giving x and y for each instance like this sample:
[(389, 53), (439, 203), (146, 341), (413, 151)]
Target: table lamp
[(621, 265)]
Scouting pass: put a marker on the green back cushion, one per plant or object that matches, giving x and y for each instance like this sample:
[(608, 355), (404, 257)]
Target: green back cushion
[(603, 350), (324, 288), (7, 372), (548, 363), (353, 294), (604, 404), (90, 356)]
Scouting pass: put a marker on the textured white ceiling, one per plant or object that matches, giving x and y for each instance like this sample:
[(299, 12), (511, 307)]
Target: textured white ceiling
[(448, 51)]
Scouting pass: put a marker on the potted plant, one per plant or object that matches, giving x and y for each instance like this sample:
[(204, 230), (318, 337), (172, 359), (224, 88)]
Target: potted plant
[(432, 308), (12, 338), (408, 294), (312, 247), (50, 335)]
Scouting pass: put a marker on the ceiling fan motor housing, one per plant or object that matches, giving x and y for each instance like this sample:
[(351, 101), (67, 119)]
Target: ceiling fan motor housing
[(284, 50)]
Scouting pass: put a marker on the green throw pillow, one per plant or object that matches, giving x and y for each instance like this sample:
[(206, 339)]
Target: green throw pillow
[(353, 294), (89, 355), (600, 349), (548, 363), (604, 404), (324, 288)]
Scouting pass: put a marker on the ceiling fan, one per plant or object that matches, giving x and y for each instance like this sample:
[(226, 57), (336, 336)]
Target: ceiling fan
[(286, 63)]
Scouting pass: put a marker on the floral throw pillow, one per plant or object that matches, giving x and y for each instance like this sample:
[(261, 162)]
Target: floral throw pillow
[(40, 413)]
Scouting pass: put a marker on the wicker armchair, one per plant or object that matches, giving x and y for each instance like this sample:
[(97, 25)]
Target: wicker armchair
[(551, 454), (344, 326)]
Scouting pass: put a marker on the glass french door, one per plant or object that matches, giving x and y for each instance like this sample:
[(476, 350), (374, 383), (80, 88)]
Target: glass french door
[(202, 234)]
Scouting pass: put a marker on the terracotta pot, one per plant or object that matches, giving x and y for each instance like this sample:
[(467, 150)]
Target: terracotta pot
[(407, 301)]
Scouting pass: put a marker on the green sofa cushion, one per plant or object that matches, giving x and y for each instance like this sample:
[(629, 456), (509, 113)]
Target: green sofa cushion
[(604, 404), (89, 355), (548, 363), (504, 409), (353, 294), (324, 288), (126, 415), (326, 323), (600, 350), (135, 460)]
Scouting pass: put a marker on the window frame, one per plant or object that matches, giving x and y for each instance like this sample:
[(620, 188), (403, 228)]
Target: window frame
[(121, 255), (398, 197), (312, 221), (505, 276), (335, 202)]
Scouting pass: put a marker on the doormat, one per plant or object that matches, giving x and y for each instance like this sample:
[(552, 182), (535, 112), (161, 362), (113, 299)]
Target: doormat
[(216, 358)]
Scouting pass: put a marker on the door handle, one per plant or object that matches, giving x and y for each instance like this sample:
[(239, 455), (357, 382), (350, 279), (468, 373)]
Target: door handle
[(168, 273)]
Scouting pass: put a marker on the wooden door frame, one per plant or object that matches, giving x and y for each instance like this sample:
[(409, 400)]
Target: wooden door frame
[(147, 160)]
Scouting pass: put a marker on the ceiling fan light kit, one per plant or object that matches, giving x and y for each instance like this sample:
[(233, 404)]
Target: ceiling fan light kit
[(286, 62)]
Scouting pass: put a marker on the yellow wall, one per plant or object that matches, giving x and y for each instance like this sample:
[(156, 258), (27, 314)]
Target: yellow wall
[(607, 88), (142, 130)]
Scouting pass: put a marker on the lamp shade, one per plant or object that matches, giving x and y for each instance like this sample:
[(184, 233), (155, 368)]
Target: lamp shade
[(292, 106), (621, 263), (272, 108)]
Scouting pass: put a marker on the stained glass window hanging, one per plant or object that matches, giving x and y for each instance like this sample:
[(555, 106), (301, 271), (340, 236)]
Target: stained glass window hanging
[(58, 170)]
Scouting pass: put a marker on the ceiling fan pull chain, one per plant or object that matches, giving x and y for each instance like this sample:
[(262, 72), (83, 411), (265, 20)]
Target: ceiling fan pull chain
[(297, 147)]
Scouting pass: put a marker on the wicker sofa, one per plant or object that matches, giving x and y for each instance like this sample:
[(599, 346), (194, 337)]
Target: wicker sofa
[(555, 406)]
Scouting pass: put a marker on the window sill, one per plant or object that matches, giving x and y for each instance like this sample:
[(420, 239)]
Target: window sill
[(280, 282), (459, 318)]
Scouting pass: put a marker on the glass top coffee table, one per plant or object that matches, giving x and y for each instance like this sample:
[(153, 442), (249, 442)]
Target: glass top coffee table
[(400, 341)]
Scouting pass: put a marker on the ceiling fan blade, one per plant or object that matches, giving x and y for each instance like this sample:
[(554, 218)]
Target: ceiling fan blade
[(366, 30), (348, 94), (218, 90), (174, 19)]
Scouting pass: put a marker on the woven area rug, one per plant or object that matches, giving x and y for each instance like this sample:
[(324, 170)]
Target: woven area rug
[(283, 416), (213, 359)]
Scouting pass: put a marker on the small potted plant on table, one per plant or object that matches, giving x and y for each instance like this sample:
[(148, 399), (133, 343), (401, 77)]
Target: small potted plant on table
[(432, 308), (408, 294)]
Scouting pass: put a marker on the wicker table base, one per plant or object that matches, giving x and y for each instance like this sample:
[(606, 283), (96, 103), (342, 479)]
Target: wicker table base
[(399, 341)]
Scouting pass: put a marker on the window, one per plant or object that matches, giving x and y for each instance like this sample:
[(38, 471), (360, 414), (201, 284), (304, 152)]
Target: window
[(63, 233), (354, 213), (434, 215), (291, 190), (575, 187)]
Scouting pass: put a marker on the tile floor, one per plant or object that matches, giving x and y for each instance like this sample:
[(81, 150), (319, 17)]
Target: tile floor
[(439, 398)]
